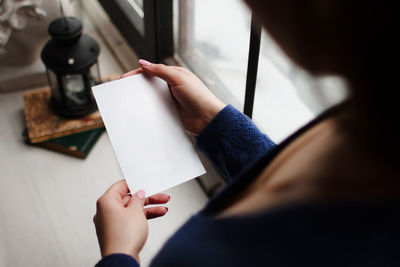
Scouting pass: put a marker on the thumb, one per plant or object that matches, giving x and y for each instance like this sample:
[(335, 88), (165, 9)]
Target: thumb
[(167, 73), (137, 200)]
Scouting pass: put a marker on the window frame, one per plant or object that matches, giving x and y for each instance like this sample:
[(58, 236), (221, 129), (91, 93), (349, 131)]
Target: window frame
[(155, 41), (158, 43), (252, 66)]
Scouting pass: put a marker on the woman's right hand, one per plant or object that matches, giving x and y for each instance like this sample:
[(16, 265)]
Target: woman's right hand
[(196, 105)]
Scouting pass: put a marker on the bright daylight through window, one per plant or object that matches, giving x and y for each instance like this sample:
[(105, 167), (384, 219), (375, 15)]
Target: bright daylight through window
[(214, 41), (212, 38)]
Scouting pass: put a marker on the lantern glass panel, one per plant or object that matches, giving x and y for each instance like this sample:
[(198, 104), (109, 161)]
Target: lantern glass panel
[(94, 75), (55, 92), (74, 88)]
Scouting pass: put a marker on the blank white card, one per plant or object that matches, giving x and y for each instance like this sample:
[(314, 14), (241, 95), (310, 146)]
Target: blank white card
[(146, 133)]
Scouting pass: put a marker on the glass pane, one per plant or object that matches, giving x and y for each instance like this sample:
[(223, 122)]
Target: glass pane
[(286, 96), (94, 75), (214, 42), (278, 109), (74, 88), (52, 78), (134, 10), (139, 3)]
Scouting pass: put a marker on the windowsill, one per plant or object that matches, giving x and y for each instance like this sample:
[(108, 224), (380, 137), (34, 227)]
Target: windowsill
[(49, 220)]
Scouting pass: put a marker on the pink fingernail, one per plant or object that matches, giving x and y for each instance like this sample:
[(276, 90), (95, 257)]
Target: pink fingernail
[(141, 194), (144, 63)]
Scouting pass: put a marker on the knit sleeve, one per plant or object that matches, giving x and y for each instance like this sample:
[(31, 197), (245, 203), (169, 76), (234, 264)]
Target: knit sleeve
[(232, 142), (117, 260)]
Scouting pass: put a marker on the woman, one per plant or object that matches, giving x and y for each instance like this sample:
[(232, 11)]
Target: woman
[(326, 196)]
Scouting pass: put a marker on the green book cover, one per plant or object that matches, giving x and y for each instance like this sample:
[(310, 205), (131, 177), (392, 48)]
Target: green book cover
[(78, 145)]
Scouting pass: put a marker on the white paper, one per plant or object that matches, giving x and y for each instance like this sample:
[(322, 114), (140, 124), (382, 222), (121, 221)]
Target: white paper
[(146, 133)]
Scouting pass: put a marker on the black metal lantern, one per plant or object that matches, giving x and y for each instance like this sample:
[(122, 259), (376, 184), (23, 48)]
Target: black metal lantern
[(72, 67)]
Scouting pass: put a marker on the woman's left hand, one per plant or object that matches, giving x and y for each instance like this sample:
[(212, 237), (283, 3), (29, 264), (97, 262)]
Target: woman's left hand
[(121, 220)]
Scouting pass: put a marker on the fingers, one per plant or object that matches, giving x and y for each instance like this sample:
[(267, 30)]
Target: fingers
[(126, 199), (118, 190), (157, 199), (154, 199), (132, 72), (168, 74), (137, 200), (155, 212)]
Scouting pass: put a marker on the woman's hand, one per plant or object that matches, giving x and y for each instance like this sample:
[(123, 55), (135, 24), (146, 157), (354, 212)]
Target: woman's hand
[(196, 104), (121, 221)]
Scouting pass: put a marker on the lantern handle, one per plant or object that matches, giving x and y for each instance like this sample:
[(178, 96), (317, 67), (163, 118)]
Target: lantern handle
[(61, 7), (60, 4)]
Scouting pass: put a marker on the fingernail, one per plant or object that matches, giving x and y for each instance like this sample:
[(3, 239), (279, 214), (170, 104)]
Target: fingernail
[(141, 194), (166, 208), (144, 63), (169, 197)]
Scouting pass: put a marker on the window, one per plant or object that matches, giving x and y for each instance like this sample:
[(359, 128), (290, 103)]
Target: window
[(139, 3), (220, 42), (146, 25), (278, 107), (214, 43)]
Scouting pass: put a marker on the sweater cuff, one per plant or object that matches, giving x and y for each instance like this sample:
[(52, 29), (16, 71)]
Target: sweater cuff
[(232, 142), (120, 260), (216, 126)]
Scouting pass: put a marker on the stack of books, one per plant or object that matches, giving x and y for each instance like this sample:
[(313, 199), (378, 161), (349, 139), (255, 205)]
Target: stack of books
[(45, 128)]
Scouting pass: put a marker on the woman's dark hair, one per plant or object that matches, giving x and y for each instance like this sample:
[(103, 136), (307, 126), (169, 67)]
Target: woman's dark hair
[(353, 38), (377, 46)]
